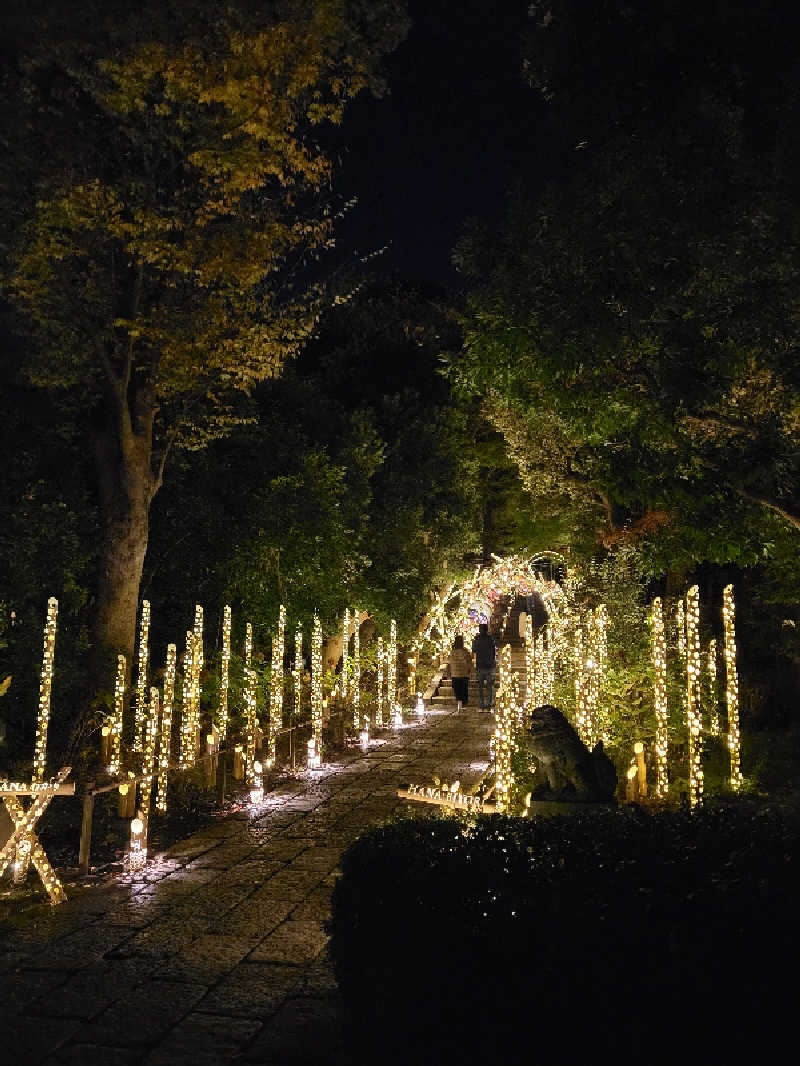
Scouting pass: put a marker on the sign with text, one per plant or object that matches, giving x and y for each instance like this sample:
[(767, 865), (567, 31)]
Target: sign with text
[(442, 797)]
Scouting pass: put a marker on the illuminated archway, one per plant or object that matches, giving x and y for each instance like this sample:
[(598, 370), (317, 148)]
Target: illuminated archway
[(461, 606)]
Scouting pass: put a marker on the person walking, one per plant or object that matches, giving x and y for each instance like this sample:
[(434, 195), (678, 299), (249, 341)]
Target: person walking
[(485, 651), (460, 663)]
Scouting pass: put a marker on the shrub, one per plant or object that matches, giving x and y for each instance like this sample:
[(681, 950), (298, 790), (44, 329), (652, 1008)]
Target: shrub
[(591, 935)]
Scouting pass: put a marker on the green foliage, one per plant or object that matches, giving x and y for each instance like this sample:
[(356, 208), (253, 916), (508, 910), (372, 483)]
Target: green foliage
[(561, 912), (633, 330)]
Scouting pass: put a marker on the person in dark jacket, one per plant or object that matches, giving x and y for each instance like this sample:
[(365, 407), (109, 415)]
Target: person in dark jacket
[(460, 663), (485, 652)]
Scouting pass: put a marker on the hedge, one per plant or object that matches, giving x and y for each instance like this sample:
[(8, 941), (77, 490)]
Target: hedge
[(667, 936)]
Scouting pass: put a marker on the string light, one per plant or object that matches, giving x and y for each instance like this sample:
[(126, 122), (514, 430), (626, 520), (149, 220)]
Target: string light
[(165, 742), (693, 713), (251, 719), (298, 671), (185, 756), (412, 676), (356, 687), (391, 667), (140, 718), (658, 648), (276, 686), (45, 690), (714, 727), (504, 719), (582, 723), (379, 658), (138, 852), (530, 664), (115, 743), (316, 685), (197, 669), (732, 687), (224, 680), (345, 678)]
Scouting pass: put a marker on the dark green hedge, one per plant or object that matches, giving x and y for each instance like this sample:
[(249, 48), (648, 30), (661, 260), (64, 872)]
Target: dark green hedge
[(595, 936)]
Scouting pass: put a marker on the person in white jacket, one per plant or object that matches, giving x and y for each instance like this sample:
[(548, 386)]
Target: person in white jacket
[(460, 663)]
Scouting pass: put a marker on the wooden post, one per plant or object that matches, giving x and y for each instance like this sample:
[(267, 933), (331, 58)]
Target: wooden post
[(85, 848)]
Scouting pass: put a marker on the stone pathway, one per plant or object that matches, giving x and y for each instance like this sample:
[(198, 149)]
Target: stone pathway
[(217, 951)]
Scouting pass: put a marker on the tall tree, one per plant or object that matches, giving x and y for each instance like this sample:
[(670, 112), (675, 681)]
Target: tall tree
[(636, 327), (175, 202)]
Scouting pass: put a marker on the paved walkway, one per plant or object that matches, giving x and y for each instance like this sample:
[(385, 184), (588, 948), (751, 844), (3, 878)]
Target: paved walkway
[(217, 951)]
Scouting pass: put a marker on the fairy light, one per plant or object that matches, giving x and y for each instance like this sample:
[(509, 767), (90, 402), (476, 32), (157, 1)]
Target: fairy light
[(356, 685), (732, 687), (257, 788), (379, 661), (224, 680), (197, 669), (276, 686), (45, 690), (316, 685), (596, 663), (714, 727), (412, 676), (248, 644), (115, 738), (502, 735), (137, 856), (391, 667), (146, 785), (693, 714), (185, 757), (345, 675), (140, 717), (658, 651), (582, 723), (251, 719), (165, 741), (530, 664), (298, 672)]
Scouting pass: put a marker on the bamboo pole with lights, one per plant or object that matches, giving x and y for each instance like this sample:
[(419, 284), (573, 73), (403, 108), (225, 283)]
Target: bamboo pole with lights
[(391, 668), (316, 686), (379, 661), (298, 672), (732, 687), (345, 675), (504, 720), (224, 681), (184, 755), (356, 689), (251, 726), (197, 670), (115, 734), (694, 723), (139, 833), (658, 651), (581, 711), (714, 726), (140, 710), (165, 739), (276, 686)]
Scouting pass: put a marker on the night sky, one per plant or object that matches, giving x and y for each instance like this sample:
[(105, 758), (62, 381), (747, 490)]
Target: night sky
[(458, 127)]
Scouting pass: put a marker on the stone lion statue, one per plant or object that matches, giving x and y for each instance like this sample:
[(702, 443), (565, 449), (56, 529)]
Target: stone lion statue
[(573, 772)]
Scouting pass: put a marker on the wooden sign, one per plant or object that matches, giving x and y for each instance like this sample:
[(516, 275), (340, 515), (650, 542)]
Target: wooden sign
[(442, 797)]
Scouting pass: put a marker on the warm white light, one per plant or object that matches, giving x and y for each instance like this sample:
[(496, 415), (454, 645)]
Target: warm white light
[(379, 659), (391, 666), (658, 650), (693, 711), (732, 687), (276, 683), (140, 717), (137, 825), (504, 720), (116, 718), (165, 740), (316, 684), (224, 676)]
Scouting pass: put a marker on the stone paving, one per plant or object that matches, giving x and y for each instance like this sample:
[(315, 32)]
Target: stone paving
[(217, 951)]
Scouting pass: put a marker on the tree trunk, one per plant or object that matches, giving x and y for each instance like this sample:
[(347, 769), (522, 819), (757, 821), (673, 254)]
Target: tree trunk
[(126, 487)]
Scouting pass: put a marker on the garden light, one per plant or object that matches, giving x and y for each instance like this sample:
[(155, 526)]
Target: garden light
[(224, 676), (693, 714), (115, 742), (658, 651), (141, 678), (732, 687)]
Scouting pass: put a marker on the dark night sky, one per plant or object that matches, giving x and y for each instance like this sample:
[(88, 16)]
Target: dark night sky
[(458, 126)]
